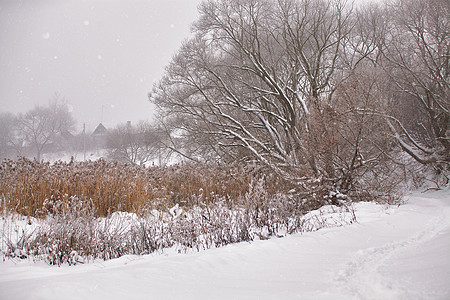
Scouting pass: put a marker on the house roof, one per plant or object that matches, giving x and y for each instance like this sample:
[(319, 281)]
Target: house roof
[(100, 130)]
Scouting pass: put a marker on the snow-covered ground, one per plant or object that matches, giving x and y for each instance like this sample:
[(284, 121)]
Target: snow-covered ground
[(392, 253), (76, 155)]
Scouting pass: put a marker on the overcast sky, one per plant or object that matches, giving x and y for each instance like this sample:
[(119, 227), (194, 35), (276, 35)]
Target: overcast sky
[(94, 53)]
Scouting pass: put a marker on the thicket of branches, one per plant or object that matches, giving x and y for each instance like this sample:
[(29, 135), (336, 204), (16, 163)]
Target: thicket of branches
[(313, 90)]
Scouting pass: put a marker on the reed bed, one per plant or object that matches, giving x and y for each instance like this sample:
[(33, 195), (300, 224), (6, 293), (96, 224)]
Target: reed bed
[(28, 186)]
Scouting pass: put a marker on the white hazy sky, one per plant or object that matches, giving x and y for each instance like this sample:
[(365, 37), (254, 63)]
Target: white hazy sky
[(94, 53)]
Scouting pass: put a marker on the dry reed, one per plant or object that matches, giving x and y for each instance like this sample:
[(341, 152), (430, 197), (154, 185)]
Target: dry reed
[(26, 185)]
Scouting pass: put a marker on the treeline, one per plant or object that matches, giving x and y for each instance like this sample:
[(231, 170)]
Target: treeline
[(51, 129)]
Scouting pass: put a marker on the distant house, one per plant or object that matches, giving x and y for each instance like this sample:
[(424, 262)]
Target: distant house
[(100, 131), (100, 136)]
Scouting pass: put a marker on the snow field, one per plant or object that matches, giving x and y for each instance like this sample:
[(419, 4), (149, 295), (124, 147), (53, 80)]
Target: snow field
[(392, 253)]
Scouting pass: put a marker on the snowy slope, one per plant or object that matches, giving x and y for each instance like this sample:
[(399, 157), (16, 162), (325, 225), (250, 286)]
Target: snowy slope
[(392, 253)]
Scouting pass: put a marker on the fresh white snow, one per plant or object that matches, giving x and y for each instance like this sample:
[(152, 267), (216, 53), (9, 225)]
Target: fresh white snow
[(392, 253)]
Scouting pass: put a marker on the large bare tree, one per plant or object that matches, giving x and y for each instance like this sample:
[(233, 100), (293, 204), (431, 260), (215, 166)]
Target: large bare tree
[(259, 81), (253, 74)]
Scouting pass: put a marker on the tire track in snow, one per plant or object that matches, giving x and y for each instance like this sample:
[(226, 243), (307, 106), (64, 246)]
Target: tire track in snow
[(361, 278)]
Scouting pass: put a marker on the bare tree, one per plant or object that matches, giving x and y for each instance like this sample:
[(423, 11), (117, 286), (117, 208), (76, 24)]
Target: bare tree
[(138, 144), (416, 59), (362, 150), (280, 83), (42, 125), (249, 81)]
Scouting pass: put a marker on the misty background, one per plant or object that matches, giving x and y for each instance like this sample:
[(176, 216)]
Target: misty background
[(102, 57)]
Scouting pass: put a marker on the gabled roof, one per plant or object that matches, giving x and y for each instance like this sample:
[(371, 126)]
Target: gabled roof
[(100, 130)]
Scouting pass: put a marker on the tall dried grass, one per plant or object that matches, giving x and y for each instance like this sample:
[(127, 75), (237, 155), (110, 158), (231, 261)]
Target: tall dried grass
[(27, 185)]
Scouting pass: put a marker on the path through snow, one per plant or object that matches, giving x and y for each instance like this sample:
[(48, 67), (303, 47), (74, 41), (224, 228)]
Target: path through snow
[(395, 269), (393, 253)]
